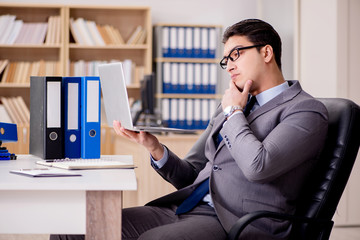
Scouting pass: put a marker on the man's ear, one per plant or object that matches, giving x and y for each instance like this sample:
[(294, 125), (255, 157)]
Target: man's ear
[(268, 53)]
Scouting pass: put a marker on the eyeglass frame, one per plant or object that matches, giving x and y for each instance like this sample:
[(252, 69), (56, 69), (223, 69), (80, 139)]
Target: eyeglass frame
[(238, 49)]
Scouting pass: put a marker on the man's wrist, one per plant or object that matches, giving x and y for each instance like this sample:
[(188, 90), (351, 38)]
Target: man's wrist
[(229, 110), (157, 153)]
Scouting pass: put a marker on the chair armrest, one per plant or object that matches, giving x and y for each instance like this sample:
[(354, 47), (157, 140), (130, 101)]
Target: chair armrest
[(240, 225)]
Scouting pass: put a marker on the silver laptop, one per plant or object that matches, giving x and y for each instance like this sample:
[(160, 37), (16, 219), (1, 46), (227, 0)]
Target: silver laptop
[(116, 101)]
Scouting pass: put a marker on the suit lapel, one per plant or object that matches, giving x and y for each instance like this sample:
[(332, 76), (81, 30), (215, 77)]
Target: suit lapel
[(218, 123), (282, 98)]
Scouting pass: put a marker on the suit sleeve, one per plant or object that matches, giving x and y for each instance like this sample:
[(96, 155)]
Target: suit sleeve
[(182, 172), (298, 136)]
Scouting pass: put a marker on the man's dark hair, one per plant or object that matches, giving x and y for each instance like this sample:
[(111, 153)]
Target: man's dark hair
[(257, 32)]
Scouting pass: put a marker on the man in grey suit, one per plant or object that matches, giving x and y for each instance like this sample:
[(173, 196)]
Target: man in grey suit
[(243, 162)]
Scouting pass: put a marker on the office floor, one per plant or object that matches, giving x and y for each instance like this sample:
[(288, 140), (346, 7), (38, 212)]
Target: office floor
[(338, 233)]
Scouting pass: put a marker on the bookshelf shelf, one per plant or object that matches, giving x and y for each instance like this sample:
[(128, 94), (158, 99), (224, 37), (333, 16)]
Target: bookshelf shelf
[(188, 60), (35, 46), (15, 85), (111, 47), (189, 96)]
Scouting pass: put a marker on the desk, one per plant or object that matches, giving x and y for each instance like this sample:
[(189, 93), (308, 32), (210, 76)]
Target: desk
[(88, 204)]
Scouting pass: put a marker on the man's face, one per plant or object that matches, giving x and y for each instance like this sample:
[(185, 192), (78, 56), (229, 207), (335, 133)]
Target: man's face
[(249, 64)]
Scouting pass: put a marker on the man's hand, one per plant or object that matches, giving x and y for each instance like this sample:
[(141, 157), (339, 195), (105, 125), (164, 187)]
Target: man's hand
[(149, 141), (234, 97)]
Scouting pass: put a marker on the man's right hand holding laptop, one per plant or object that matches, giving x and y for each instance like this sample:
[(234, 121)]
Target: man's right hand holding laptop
[(149, 141)]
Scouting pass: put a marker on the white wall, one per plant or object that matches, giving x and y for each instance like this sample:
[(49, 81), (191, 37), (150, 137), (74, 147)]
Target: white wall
[(279, 13), (318, 50)]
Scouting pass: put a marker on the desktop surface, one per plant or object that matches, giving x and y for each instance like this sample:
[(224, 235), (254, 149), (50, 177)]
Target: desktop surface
[(58, 205), (91, 180)]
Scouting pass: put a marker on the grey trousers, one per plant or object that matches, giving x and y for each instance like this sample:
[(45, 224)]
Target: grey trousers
[(161, 223)]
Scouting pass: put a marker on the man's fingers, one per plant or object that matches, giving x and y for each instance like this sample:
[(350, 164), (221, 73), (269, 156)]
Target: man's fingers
[(232, 84), (247, 87), (117, 126)]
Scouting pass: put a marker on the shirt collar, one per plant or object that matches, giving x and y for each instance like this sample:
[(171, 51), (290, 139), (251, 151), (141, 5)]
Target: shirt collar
[(269, 94)]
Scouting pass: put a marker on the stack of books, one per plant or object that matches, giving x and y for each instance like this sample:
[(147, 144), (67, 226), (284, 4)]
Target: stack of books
[(86, 32), (16, 31), (14, 110), (20, 72)]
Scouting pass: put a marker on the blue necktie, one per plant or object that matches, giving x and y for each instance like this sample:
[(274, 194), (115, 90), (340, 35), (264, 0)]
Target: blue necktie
[(199, 193), (249, 106), (195, 197)]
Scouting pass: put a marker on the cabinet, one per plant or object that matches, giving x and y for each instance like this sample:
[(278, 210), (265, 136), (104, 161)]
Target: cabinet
[(187, 73), (65, 51)]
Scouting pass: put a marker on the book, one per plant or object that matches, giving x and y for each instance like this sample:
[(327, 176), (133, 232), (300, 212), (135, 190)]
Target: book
[(45, 172), (135, 35), (3, 64), (10, 110), (4, 116), (112, 162)]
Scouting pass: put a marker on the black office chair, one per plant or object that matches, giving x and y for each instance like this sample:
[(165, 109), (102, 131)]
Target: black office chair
[(321, 195)]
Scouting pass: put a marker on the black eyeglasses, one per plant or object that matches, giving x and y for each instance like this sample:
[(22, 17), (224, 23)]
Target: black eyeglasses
[(235, 54)]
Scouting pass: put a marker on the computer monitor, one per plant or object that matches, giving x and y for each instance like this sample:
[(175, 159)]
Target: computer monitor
[(147, 94)]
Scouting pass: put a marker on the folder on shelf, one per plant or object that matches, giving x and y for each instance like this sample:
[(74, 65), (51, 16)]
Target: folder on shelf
[(197, 114), (190, 78), (205, 113), (182, 113), (190, 113), (90, 117), (72, 116), (46, 131), (174, 78), (189, 42), (165, 41), (197, 43), (174, 113), (204, 43), (205, 81), (212, 42), (181, 42), (197, 78), (182, 78), (166, 77), (173, 42), (213, 78), (165, 113)]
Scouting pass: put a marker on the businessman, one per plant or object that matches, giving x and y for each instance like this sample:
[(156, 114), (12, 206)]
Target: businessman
[(255, 154)]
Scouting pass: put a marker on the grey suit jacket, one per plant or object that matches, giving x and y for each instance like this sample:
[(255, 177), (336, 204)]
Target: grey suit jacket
[(261, 164)]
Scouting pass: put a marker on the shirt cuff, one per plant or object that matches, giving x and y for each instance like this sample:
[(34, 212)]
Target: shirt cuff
[(235, 113), (160, 163)]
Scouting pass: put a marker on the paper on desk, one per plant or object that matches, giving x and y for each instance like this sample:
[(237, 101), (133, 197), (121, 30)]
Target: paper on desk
[(45, 172)]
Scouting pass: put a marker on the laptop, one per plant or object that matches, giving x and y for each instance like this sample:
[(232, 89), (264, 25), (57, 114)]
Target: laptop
[(116, 102)]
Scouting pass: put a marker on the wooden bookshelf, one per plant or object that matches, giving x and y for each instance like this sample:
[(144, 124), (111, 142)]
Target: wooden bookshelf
[(31, 13), (125, 19)]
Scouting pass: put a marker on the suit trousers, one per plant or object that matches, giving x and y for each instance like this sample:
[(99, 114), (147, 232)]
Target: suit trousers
[(161, 223)]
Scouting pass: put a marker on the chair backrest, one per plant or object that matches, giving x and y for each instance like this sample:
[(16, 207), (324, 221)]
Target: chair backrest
[(323, 191)]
